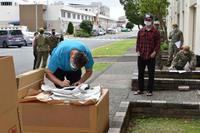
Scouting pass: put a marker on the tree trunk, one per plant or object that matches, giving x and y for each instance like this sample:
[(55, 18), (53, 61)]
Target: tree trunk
[(164, 28)]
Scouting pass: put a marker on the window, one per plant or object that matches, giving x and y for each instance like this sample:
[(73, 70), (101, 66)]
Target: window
[(6, 3), (74, 16), (86, 9), (82, 17), (78, 16), (15, 32), (69, 15), (63, 14), (3, 32)]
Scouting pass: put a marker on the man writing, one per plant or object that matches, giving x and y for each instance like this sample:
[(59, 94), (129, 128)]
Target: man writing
[(66, 61)]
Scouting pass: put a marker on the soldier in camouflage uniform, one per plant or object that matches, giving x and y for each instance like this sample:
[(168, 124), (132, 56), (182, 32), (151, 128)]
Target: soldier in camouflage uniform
[(184, 60), (53, 41), (41, 44), (175, 36), (159, 63)]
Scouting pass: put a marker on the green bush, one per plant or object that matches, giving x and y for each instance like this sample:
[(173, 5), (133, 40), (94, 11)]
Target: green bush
[(82, 33), (87, 26), (164, 46), (70, 28), (129, 25)]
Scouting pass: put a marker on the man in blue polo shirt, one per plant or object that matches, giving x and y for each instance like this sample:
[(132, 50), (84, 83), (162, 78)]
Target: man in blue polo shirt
[(66, 61)]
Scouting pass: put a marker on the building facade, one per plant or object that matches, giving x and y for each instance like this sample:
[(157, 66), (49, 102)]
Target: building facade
[(53, 16), (186, 13)]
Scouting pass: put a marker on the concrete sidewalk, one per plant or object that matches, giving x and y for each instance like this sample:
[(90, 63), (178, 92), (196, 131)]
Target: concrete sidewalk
[(117, 79)]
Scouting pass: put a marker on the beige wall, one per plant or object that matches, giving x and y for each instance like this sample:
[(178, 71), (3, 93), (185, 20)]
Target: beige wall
[(187, 16), (28, 16)]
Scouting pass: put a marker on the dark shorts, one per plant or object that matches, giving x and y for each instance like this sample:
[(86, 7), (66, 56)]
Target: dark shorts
[(72, 76)]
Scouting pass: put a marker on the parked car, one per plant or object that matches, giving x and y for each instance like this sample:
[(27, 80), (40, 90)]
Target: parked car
[(11, 37), (111, 31), (28, 37), (124, 30), (101, 31), (95, 32)]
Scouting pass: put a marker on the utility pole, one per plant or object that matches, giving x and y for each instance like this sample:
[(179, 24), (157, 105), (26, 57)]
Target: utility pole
[(36, 16), (47, 2)]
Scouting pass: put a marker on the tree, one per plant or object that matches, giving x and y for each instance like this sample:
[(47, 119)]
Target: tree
[(129, 25), (132, 11), (70, 28), (158, 8), (136, 9), (87, 26)]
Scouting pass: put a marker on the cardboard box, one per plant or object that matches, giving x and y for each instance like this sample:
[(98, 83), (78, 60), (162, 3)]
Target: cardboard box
[(62, 118), (9, 121), (9, 117), (8, 88)]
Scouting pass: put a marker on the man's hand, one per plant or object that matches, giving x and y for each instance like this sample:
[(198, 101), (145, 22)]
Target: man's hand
[(138, 53), (153, 54), (77, 83), (65, 83), (171, 68)]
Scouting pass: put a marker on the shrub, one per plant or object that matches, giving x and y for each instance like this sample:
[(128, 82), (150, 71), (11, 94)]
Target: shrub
[(87, 26), (129, 25), (82, 33), (70, 28), (164, 46)]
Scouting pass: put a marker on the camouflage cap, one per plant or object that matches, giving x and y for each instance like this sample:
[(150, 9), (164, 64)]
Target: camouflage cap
[(41, 30)]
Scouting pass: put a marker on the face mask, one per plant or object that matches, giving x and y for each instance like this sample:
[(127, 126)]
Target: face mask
[(53, 33), (147, 23), (74, 68)]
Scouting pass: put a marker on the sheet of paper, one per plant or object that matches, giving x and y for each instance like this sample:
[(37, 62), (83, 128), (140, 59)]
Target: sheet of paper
[(178, 44)]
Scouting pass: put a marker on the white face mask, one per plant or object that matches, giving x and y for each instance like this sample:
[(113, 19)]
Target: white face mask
[(147, 23), (74, 68)]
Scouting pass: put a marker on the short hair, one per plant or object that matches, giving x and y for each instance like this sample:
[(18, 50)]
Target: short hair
[(80, 59), (41, 30), (186, 48), (36, 33), (175, 25)]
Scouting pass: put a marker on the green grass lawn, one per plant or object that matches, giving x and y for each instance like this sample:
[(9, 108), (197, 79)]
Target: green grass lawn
[(98, 67), (163, 125), (114, 49)]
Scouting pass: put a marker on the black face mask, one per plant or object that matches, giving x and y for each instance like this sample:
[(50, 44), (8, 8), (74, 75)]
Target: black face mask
[(53, 33)]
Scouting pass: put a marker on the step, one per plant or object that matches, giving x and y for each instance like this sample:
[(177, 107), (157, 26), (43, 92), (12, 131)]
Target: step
[(169, 83), (174, 74)]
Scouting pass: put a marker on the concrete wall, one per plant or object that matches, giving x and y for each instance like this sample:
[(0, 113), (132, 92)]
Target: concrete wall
[(9, 14), (186, 13), (28, 16)]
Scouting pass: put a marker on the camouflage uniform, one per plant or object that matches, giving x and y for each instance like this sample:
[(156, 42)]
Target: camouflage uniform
[(175, 36), (53, 41), (181, 59), (42, 50)]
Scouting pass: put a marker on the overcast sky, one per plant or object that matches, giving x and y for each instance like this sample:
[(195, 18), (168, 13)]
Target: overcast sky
[(116, 9)]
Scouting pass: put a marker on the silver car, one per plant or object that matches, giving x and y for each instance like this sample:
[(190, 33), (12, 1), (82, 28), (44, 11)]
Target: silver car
[(11, 37)]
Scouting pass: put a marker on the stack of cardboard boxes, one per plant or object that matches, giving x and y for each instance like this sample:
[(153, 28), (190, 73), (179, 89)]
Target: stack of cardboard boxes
[(41, 117), (9, 116)]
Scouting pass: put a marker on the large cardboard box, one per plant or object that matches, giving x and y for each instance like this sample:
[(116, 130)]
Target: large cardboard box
[(9, 117), (62, 118)]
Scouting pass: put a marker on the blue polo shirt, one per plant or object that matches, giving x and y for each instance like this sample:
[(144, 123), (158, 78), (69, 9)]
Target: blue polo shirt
[(60, 57)]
